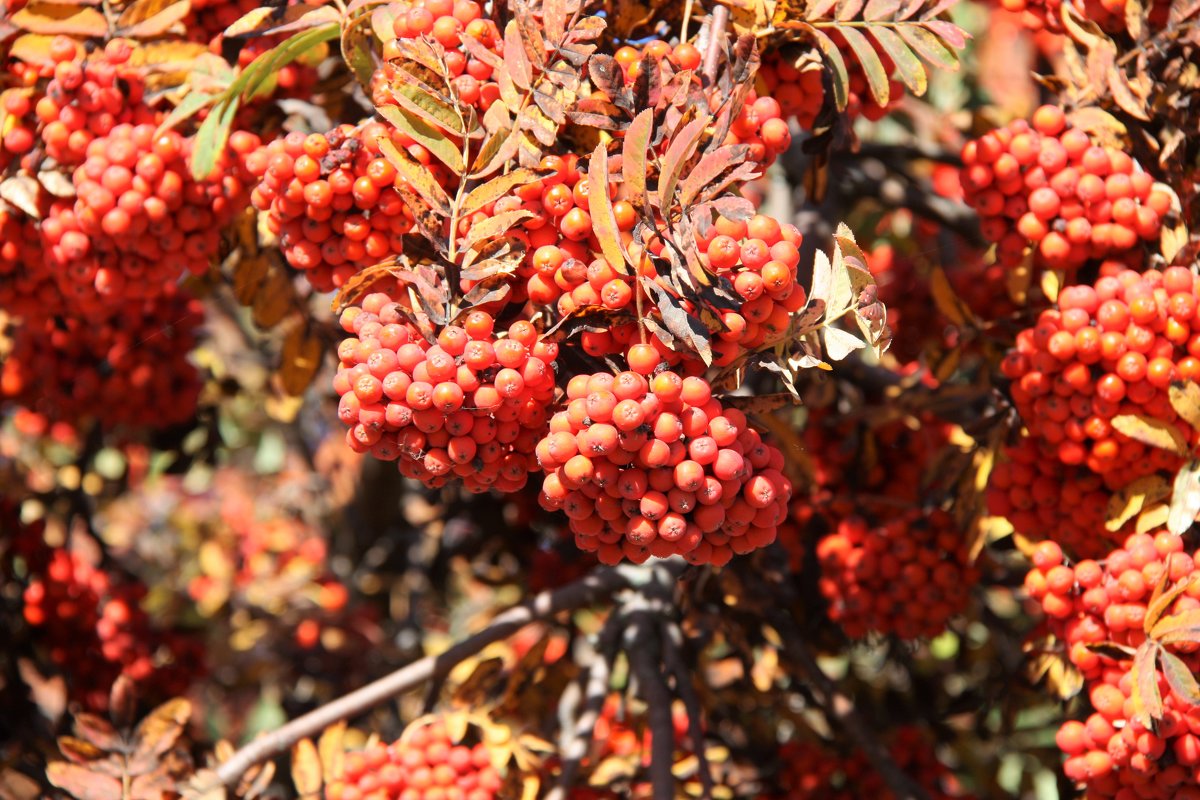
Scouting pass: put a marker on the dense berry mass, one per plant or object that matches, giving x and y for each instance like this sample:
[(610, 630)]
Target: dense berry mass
[(1104, 351)]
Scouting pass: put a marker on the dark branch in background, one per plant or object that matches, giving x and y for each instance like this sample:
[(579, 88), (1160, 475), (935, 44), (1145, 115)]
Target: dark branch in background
[(672, 638), (841, 712), (645, 657), (587, 590), (577, 737)]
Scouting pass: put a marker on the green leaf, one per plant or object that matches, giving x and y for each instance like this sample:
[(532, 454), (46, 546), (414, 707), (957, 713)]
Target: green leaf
[(191, 105), (604, 221), (290, 49), (872, 64), (212, 136), (908, 66), (427, 136)]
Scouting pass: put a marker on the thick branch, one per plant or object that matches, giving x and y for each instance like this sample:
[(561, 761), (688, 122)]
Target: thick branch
[(645, 657), (587, 590), (842, 714)]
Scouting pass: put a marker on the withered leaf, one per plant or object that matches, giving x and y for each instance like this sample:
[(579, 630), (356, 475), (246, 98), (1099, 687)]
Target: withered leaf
[(306, 769), (52, 18), (634, 166), (416, 175), (1152, 432), (82, 783), (682, 325), (498, 187), (299, 359), (604, 220), (148, 18)]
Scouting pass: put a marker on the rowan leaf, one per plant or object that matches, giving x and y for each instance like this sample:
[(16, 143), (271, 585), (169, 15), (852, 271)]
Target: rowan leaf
[(498, 187), (1185, 498), (424, 134), (1185, 399), (1147, 701), (840, 343), (417, 176), (681, 325), (54, 18), (1180, 678), (909, 67), (494, 226), (1127, 503), (158, 733), (681, 149), (634, 166), (331, 747), (872, 65), (516, 57), (149, 18), (432, 109), (299, 361), (929, 45), (604, 221), (82, 783), (306, 769), (1151, 431), (840, 77)]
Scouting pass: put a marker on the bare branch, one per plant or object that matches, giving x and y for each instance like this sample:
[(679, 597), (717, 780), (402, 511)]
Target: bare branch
[(589, 589), (672, 637), (841, 712), (644, 649)]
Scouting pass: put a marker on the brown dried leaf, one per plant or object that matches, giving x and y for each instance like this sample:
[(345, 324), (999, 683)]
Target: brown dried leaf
[(682, 146), (273, 300), (299, 359), (158, 733), (416, 174), (82, 783)]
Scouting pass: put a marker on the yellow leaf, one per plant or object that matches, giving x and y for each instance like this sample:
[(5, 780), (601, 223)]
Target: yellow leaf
[(300, 359), (306, 769), (1132, 499), (1150, 431), (52, 18), (1185, 399), (1152, 518)]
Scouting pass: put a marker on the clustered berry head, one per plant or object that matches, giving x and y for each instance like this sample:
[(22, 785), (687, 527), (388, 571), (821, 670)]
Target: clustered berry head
[(797, 85), (1047, 185), (425, 763), (472, 405), (646, 463), (130, 370), (95, 629), (1104, 351), (1042, 498), (1088, 603), (332, 200), (816, 771), (873, 576)]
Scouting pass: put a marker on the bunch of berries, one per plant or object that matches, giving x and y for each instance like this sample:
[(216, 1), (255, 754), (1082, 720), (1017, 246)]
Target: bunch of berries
[(1042, 498), (873, 576), (1105, 351), (139, 220), (423, 764), (131, 369), (471, 406), (1090, 603), (814, 771), (449, 23), (95, 630), (27, 290), (1045, 184), (760, 258), (797, 84), (1039, 15), (332, 200), (647, 463), (85, 100)]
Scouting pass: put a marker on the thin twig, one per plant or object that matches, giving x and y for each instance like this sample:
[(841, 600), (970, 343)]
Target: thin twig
[(587, 590), (842, 713)]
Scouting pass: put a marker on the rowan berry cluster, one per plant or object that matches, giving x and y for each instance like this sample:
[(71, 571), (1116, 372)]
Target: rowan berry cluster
[(815, 771), (647, 463), (1104, 351), (1039, 15), (471, 406), (85, 99), (332, 200), (1092, 602), (873, 576), (1046, 185), (799, 92), (1042, 498), (139, 220), (129, 370), (24, 291), (423, 764), (95, 630)]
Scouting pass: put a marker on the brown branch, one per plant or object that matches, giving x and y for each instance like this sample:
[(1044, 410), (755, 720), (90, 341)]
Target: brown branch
[(840, 710), (589, 589), (644, 649)]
